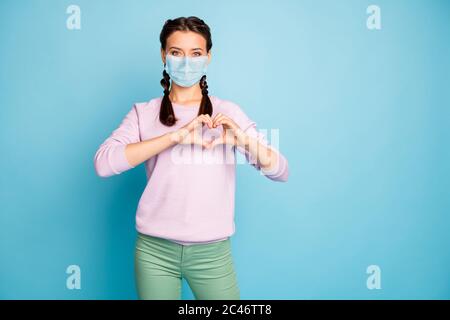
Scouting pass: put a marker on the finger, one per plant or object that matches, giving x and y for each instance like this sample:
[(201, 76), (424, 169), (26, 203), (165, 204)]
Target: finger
[(217, 119), (201, 119), (231, 123), (198, 120), (210, 122), (225, 121), (216, 116), (205, 118), (207, 144), (197, 124), (215, 142)]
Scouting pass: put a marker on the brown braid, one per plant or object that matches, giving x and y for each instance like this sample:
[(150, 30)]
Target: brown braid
[(206, 105), (166, 114)]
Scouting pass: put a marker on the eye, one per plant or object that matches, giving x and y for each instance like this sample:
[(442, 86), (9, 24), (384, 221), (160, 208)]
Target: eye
[(174, 53), (197, 54)]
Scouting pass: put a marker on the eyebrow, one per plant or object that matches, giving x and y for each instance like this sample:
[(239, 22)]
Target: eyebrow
[(182, 49)]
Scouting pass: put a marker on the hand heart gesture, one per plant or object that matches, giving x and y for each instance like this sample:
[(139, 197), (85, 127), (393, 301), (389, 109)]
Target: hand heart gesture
[(191, 133), (231, 133)]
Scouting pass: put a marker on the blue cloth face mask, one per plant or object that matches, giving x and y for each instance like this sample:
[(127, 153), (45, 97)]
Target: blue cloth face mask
[(186, 71)]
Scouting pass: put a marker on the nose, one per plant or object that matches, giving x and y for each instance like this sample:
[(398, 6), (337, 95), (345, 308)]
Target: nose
[(186, 65)]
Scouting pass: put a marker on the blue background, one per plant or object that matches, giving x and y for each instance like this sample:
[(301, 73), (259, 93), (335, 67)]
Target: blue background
[(363, 118)]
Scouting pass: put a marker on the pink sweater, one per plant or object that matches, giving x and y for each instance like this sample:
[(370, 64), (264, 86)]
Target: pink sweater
[(190, 193)]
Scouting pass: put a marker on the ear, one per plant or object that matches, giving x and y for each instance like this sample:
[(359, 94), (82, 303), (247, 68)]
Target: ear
[(209, 57)]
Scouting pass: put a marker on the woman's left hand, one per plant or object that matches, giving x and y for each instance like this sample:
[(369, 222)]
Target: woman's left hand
[(231, 134)]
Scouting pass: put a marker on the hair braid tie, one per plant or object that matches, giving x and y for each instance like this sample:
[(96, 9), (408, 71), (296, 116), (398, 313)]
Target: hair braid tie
[(165, 82), (204, 85)]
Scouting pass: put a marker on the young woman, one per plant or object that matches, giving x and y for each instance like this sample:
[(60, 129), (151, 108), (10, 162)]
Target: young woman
[(187, 140)]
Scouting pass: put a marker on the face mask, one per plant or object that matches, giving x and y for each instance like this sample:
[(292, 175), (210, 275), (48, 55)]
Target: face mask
[(186, 71)]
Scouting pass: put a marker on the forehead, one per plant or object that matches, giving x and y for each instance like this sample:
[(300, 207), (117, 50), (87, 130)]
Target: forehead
[(186, 40)]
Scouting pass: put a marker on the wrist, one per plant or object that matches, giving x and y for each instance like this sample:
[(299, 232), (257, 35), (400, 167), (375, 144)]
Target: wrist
[(242, 139), (176, 136)]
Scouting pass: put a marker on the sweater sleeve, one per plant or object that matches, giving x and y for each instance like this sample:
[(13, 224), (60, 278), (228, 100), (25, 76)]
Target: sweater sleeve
[(110, 156), (280, 172)]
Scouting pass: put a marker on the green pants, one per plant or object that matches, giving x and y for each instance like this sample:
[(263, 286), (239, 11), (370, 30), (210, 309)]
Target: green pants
[(161, 264)]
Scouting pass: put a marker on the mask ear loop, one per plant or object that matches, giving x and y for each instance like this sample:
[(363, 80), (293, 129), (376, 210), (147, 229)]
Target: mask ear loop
[(164, 66), (167, 79)]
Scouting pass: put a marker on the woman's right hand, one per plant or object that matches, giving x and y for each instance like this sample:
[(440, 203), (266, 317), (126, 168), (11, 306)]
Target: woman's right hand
[(191, 133)]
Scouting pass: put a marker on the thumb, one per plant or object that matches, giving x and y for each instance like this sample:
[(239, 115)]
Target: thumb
[(213, 143)]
